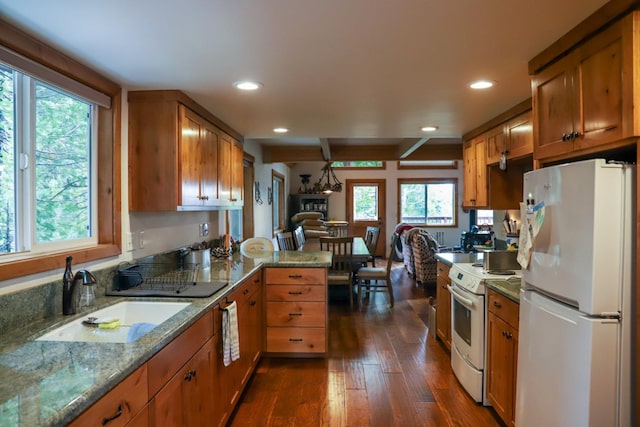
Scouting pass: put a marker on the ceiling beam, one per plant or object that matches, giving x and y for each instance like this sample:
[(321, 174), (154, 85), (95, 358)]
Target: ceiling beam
[(326, 150), (305, 153), (291, 154), (409, 145)]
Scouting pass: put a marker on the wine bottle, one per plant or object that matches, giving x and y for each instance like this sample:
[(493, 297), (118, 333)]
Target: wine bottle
[(68, 307)]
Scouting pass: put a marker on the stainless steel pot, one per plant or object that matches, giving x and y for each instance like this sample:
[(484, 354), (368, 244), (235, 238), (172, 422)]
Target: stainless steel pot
[(202, 257)]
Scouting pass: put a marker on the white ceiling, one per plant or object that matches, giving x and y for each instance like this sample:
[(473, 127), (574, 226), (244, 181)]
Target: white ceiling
[(343, 69)]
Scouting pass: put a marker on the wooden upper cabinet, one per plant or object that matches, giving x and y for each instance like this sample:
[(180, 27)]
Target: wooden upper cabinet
[(177, 159), (496, 144), (583, 103), (198, 165), (237, 174), (519, 135), (474, 156), (514, 138)]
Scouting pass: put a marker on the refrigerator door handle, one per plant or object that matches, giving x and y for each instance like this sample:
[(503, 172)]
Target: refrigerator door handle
[(461, 299)]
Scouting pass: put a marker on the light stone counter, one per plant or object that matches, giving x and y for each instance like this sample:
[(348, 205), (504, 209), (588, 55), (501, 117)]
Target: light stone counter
[(47, 383)]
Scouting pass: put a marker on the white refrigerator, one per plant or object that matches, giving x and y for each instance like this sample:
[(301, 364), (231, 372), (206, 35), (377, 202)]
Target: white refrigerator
[(575, 304)]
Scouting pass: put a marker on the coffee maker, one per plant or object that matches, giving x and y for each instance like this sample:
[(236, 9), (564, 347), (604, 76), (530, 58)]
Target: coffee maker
[(475, 237)]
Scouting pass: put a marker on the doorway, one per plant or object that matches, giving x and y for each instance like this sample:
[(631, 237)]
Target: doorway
[(366, 206)]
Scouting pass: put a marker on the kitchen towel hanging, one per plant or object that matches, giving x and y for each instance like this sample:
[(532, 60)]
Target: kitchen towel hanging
[(230, 337)]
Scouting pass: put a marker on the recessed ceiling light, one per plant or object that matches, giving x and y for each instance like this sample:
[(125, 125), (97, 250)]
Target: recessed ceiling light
[(481, 84), (281, 130), (429, 128), (247, 85)]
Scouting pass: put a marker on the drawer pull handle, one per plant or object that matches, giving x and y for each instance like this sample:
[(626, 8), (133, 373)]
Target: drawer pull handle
[(106, 421), (295, 314), (246, 291), (295, 276), (295, 339), (295, 293), (497, 304)]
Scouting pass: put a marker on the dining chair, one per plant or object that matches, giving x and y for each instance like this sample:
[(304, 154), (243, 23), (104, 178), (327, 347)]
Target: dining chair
[(374, 276), (298, 236), (341, 271), (371, 241), (285, 241)]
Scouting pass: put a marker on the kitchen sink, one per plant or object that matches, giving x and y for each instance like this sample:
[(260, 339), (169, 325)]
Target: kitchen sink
[(137, 318)]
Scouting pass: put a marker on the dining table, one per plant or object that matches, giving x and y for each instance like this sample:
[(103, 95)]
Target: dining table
[(359, 256)]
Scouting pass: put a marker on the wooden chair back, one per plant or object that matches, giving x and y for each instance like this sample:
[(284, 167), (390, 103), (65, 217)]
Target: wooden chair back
[(371, 236), (298, 236), (342, 250), (285, 241)]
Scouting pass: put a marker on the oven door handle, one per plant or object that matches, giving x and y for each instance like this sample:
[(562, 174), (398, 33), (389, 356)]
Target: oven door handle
[(461, 299)]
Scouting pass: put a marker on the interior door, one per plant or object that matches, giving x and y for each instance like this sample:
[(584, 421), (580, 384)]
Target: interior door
[(366, 202)]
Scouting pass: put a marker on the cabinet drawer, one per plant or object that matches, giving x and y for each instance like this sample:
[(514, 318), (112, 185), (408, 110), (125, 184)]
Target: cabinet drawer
[(296, 314), (166, 363), (295, 276), (296, 340), (296, 293), (504, 308), (119, 405)]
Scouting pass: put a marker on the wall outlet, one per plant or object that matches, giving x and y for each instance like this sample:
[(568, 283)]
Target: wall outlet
[(130, 242), (203, 229), (141, 240)]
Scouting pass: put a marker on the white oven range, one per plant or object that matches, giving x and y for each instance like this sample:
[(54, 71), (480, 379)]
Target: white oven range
[(468, 325)]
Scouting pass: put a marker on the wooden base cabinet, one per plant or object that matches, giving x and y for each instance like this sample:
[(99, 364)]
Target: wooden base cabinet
[(502, 355), (248, 297), (296, 311), (443, 304)]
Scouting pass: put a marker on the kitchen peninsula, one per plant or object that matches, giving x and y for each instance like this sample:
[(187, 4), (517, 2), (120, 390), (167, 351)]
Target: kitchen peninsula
[(51, 383)]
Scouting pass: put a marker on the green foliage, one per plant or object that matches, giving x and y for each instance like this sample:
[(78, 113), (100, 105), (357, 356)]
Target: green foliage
[(61, 162)]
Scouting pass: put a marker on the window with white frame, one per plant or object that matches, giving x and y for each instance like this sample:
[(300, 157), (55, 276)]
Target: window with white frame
[(428, 202), (47, 166)]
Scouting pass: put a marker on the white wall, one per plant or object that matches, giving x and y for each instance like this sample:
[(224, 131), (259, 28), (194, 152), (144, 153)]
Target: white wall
[(263, 219), (337, 201)]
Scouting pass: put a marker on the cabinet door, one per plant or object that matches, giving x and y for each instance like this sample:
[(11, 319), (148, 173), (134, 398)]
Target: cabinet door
[(501, 355), (469, 174), (443, 310), (237, 175), (482, 190), (496, 144), (190, 157), (553, 101), (197, 393), (221, 381), (209, 165), (520, 136), (224, 168), (600, 89)]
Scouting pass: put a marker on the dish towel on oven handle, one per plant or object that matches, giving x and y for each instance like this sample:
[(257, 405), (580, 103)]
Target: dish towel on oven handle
[(230, 338)]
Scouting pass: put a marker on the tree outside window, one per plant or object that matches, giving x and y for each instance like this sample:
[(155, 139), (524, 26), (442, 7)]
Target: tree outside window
[(428, 202), (45, 179)]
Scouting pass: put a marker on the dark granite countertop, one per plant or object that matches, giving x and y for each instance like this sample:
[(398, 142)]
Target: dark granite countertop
[(510, 288), (47, 383)]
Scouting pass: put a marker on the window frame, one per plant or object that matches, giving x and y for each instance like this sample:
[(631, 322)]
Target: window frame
[(427, 181), (281, 203), (108, 231), (383, 165)]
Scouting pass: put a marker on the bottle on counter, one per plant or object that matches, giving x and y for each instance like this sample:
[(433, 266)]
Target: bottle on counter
[(67, 289)]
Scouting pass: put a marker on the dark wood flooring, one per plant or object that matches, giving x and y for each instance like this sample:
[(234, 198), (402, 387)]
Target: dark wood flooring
[(383, 369)]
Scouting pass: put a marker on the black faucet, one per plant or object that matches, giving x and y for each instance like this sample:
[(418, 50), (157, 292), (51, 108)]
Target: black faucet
[(69, 293)]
